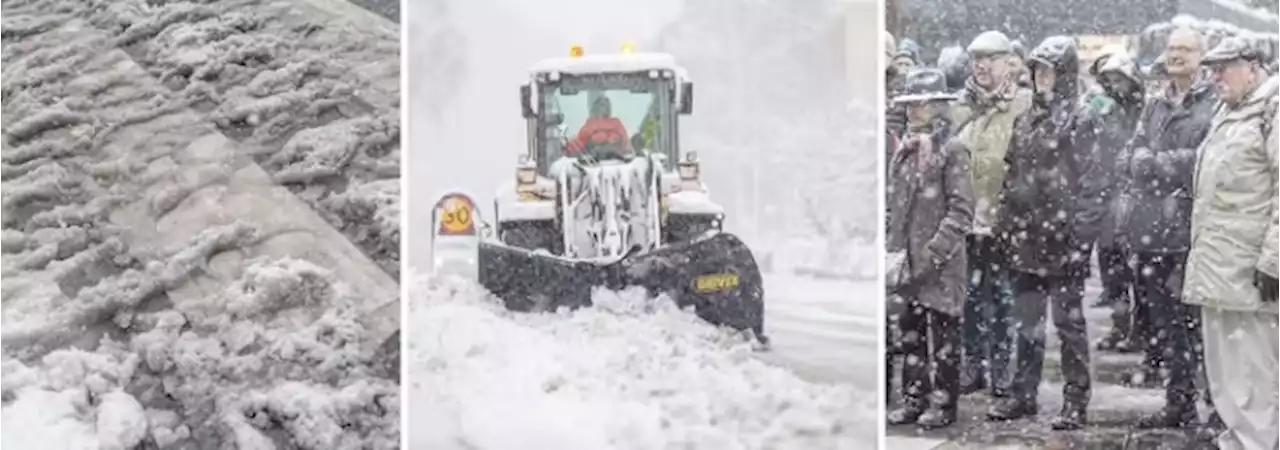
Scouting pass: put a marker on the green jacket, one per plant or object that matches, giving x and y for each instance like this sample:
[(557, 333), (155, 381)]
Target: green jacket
[(649, 130), (987, 135)]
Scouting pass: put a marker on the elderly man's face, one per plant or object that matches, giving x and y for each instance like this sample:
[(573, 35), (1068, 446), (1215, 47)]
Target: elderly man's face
[(1182, 53), (989, 70), (1234, 79)]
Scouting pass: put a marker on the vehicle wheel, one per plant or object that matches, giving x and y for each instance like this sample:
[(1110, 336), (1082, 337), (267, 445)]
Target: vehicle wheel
[(687, 227), (530, 235)]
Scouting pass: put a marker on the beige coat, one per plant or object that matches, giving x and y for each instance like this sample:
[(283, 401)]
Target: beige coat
[(987, 134), (1233, 221)]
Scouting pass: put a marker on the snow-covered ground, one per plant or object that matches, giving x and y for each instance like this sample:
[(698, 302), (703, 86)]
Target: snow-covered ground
[(161, 290), (635, 373)]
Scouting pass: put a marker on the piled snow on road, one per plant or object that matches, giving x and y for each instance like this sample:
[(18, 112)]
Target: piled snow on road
[(631, 373), (273, 361)]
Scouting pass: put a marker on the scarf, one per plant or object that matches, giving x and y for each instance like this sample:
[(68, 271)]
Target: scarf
[(983, 99), (919, 138)]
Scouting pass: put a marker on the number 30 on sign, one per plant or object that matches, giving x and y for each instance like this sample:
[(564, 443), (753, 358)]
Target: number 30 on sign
[(456, 215)]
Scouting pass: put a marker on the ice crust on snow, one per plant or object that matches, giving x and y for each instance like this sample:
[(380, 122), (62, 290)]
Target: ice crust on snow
[(629, 373)]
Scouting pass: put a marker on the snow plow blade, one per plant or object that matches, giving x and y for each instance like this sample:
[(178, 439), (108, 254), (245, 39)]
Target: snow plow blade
[(535, 282), (717, 275)]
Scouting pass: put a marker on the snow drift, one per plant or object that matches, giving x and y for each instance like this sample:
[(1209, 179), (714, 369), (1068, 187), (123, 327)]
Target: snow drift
[(629, 373), (274, 360)]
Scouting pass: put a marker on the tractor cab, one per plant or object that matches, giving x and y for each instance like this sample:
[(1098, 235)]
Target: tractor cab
[(607, 107)]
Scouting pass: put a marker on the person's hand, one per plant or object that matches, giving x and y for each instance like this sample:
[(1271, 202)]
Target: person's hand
[(1141, 163), (1267, 285)]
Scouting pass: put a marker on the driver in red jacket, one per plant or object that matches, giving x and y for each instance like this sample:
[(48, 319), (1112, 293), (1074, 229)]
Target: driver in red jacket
[(600, 130)]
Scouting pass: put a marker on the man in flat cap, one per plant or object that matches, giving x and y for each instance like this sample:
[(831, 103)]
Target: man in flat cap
[(1231, 270)]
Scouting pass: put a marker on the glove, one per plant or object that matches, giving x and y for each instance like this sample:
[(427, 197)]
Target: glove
[(1267, 284), (1140, 164), (1164, 164)]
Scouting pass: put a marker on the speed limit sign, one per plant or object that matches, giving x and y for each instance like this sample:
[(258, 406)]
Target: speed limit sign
[(456, 214)]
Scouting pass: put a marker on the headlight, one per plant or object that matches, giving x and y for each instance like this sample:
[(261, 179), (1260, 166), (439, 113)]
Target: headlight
[(526, 175)]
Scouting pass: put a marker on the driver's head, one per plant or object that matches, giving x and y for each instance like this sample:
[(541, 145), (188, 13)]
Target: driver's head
[(601, 107)]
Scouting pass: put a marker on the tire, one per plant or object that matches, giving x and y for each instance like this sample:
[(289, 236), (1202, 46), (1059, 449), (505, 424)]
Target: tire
[(687, 227), (531, 235)]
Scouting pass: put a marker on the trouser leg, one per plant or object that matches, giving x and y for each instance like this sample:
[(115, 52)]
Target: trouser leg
[(1160, 281), (1066, 298), (913, 324), (1029, 297), (1242, 359), (944, 335), (974, 334)]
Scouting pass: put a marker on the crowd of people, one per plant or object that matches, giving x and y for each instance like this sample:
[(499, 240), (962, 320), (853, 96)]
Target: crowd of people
[(1011, 167)]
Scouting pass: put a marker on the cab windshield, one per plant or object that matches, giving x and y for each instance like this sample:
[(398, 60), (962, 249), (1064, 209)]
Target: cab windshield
[(639, 103)]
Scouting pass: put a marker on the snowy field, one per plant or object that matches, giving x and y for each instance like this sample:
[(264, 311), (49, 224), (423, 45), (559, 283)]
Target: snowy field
[(634, 373), (200, 212)]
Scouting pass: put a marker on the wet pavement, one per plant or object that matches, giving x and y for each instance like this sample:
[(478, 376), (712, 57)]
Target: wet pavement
[(1113, 411)]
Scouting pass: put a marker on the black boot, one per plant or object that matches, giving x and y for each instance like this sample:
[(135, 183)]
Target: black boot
[(936, 417), (1145, 377), (1072, 417), (972, 381), (1127, 345), (1112, 341), (1010, 408), (904, 415), (1169, 417)]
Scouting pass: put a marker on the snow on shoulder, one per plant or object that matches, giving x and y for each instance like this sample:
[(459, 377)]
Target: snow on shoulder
[(630, 373), (607, 63)]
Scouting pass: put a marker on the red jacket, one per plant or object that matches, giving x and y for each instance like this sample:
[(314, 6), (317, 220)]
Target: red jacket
[(598, 130)]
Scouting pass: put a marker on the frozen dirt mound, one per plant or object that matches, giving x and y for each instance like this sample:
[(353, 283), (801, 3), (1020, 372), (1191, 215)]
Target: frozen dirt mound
[(630, 373), (113, 340)]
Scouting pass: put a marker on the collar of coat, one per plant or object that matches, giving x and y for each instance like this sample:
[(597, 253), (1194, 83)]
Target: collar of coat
[(982, 98), (1255, 102), (1201, 87), (927, 148)]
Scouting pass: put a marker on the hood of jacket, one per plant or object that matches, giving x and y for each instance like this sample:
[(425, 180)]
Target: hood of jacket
[(1058, 53)]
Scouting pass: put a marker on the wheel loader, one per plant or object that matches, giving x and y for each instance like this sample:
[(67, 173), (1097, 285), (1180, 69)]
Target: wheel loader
[(582, 212)]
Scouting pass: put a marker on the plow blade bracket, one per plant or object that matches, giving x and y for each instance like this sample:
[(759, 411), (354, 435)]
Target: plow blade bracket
[(717, 275)]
